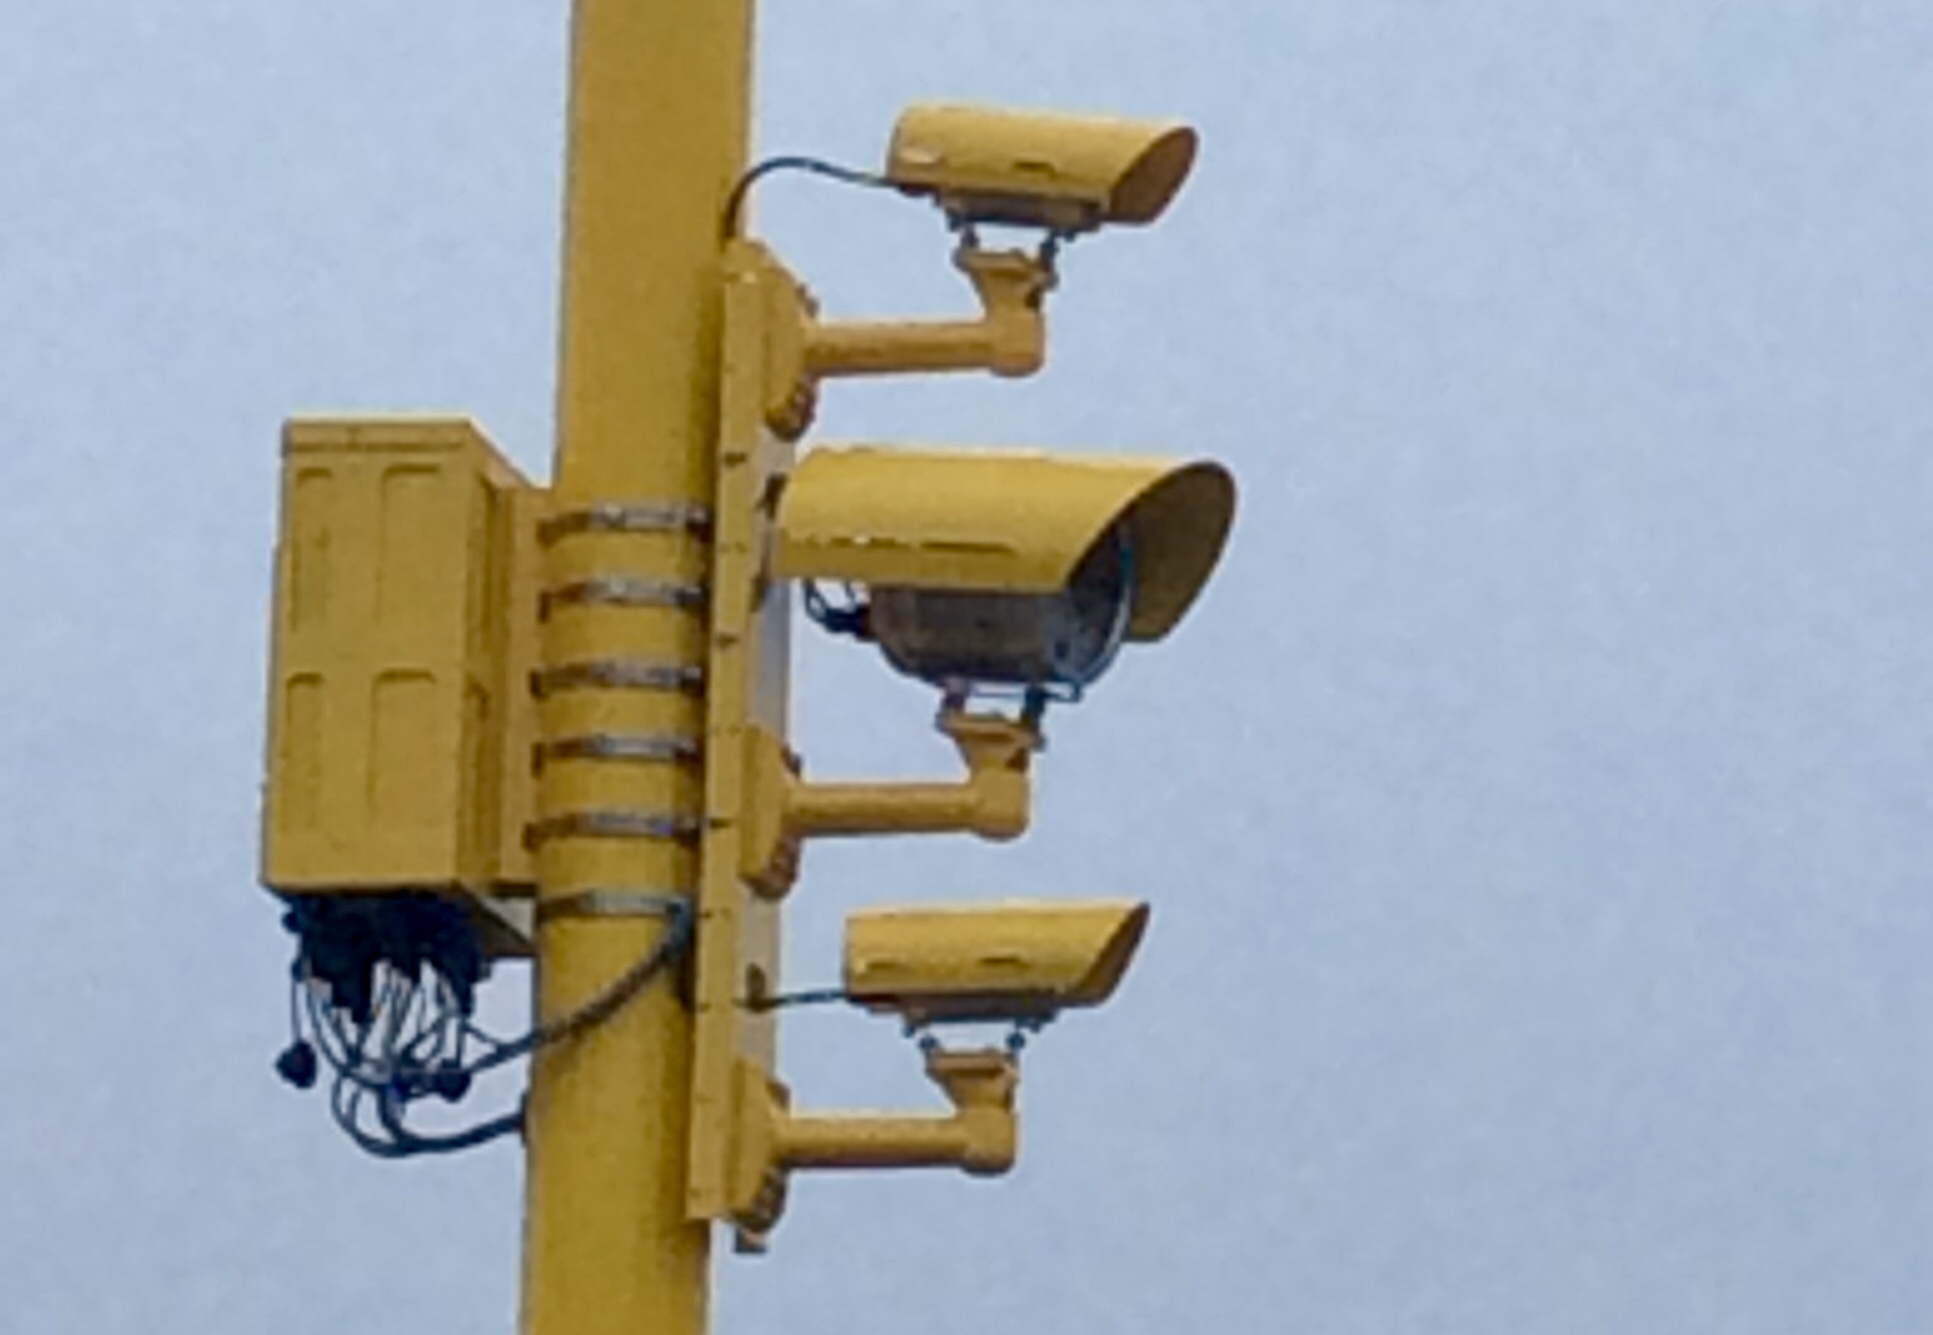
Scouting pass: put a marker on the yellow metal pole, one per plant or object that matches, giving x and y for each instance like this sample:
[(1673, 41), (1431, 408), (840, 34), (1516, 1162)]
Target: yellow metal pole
[(658, 126)]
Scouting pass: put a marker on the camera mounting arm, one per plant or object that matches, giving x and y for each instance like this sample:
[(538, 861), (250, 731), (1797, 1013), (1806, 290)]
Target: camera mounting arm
[(1008, 339), (994, 800), (980, 1136)]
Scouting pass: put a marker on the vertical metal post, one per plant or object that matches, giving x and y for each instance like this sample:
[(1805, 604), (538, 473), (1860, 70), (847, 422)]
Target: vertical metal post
[(658, 128)]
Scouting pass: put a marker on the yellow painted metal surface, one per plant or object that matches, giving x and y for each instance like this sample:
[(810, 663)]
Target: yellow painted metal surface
[(1009, 339), (399, 718), (1070, 173), (980, 1136), (1005, 959), (523, 652), (1015, 521), (782, 809), (738, 939), (657, 127)]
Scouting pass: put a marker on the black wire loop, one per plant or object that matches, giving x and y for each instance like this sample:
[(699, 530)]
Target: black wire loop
[(412, 1037), (730, 223)]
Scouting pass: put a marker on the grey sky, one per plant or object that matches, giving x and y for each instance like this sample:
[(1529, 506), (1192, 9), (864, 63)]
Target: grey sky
[(1535, 808)]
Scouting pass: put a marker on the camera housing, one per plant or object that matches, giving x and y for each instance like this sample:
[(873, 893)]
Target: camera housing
[(1067, 638), (1018, 960), (1066, 173), (1004, 568)]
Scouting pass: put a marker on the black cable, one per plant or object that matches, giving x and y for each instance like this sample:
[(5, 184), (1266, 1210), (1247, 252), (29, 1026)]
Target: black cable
[(817, 608), (347, 1114), (408, 1142), (345, 1105), (483, 1036), (343, 1054), (606, 1003), (405, 1020), (405, 1143), (735, 202), (815, 997), (296, 987), (854, 619), (405, 1016)]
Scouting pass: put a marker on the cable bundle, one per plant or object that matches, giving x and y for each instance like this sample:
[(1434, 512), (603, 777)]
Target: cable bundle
[(383, 991)]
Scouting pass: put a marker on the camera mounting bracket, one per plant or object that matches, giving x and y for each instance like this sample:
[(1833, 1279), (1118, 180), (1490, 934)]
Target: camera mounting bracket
[(993, 800)]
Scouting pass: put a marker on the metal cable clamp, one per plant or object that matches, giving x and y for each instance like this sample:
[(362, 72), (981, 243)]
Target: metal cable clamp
[(641, 517), (617, 674), (611, 823), (616, 902), (623, 591), (644, 748)]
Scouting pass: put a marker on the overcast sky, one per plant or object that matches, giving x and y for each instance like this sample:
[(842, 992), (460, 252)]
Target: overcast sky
[(1535, 809)]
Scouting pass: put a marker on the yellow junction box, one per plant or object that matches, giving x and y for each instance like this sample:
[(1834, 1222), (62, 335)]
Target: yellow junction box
[(405, 629)]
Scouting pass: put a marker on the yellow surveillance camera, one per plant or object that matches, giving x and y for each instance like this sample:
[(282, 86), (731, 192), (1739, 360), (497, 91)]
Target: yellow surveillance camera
[(1005, 568), (1068, 174), (1017, 960)]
